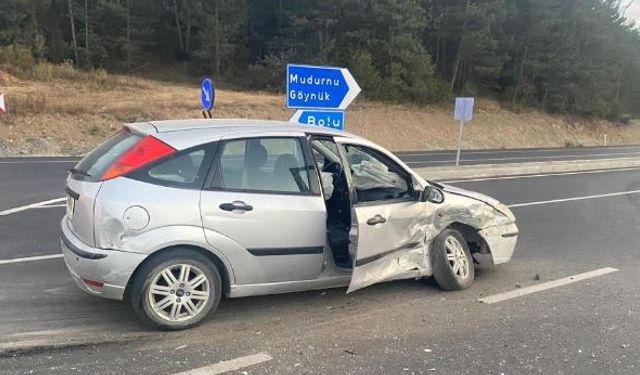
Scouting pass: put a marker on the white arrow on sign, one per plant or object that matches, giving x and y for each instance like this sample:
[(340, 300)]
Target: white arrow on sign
[(296, 116), (354, 89), (2, 109)]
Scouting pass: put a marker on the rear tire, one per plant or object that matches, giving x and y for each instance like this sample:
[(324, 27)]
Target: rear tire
[(453, 267), (176, 290)]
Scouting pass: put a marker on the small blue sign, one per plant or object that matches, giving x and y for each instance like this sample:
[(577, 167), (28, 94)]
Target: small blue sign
[(464, 109), (320, 87), (207, 94), (326, 119)]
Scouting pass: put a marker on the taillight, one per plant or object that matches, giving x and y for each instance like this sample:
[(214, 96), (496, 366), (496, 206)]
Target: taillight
[(148, 150), (93, 283)]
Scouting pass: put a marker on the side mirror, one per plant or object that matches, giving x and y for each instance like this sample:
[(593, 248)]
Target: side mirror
[(432, 194)]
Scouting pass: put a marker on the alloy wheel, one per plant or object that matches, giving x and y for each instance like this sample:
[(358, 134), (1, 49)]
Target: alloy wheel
[(456, 258), (179, 292)]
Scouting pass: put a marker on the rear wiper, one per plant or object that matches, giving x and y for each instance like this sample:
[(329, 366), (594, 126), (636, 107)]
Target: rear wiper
[(77, 171)]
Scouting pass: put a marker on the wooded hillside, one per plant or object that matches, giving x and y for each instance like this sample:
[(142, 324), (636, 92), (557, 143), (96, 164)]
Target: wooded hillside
[(568, 56)]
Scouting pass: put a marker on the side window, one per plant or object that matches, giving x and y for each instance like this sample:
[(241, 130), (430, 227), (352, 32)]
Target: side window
[(375, 178), (263, 164), (327, 157), (186, 169)]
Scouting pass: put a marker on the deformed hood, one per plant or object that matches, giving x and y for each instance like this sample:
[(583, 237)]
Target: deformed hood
[(470, 194), (496, 204)]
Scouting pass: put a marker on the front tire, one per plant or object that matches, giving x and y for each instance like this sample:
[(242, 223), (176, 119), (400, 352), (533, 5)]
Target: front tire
[(453, 267), (176, 290)]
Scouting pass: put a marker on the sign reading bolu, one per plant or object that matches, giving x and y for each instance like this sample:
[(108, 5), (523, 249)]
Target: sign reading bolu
[(320, 87), (326, 119)]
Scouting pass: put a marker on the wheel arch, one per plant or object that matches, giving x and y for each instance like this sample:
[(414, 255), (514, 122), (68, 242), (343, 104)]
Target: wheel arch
[(215, 259), (475, 242)]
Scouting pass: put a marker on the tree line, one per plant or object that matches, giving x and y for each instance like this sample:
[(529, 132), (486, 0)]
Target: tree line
[(568, 56)]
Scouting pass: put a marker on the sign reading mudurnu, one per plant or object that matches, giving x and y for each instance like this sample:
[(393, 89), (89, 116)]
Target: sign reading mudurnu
[(320, 87)]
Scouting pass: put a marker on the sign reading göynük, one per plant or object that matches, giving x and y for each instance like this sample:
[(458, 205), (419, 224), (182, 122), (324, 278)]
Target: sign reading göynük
[(320, 87)]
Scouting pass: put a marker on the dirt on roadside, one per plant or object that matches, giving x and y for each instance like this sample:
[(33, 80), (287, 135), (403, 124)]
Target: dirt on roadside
[(67, 117)]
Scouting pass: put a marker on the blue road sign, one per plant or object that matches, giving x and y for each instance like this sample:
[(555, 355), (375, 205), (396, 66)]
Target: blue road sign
[(464, 109), (207, 94), (326, 119), (320, 87)]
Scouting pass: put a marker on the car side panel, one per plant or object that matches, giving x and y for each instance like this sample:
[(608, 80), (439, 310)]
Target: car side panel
[(124, 204), (281, 239)]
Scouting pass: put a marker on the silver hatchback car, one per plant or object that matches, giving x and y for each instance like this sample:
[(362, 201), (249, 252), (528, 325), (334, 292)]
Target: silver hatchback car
[(173, 215)]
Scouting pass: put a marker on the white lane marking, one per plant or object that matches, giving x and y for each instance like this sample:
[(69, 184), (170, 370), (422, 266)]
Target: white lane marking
[(30, 259), (539, 175), (574, 198), (474, 152), (230, 365), (52, 206), (549, 157), (38, 161), (30, 206), (548, 285)]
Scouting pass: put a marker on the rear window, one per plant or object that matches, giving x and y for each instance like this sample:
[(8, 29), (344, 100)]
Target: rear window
[(96, 163), (186, 169)]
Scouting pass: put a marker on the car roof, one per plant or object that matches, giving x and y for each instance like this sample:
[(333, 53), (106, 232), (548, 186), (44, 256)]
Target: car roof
[(221, 127)]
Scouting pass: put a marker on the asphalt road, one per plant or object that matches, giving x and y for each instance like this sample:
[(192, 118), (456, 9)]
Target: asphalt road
[(568, 226), (26, 180), (418, 159)]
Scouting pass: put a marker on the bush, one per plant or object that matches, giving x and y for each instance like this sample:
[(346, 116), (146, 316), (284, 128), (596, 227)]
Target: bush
[(27, 104), (572, 144), (17, 56), (269, 73)]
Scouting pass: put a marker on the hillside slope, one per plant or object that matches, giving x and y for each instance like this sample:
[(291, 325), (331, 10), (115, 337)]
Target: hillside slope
[(68, 116)]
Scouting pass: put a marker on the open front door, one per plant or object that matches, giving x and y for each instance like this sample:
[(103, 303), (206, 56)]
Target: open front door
[(389, 223), (390, 243)]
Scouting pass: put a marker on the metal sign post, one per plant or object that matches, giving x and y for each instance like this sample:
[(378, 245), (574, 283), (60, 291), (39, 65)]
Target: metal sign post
[(459, 143), (320, 94), (463, 112)]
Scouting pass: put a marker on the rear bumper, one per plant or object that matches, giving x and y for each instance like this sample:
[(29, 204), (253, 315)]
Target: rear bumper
[(501, 241), (110, 267)]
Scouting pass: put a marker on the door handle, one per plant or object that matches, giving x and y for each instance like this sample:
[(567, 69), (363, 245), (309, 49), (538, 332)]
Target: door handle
[(376, 220), (236, 205)]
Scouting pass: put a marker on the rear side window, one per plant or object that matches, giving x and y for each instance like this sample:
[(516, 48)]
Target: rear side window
[(275, 165), (95, 164), (185, 169)]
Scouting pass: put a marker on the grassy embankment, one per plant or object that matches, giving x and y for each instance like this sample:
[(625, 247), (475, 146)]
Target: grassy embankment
[(57, 110)]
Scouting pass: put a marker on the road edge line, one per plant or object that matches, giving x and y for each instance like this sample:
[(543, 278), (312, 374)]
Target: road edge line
[(230, 365), (29, 206), (500, 297), (572, 199), (30, 259)]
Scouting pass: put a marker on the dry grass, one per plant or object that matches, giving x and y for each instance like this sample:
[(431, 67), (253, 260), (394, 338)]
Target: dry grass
[(55, 110)]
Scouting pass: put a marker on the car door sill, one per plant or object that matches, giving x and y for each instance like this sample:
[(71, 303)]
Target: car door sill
[(246, 290)]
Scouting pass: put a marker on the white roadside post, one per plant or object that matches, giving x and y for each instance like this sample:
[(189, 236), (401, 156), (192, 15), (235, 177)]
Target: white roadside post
[(462, 112), (2, 107), (459, 143)]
